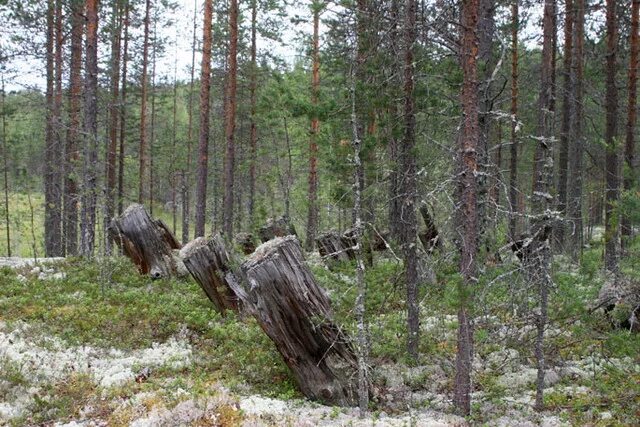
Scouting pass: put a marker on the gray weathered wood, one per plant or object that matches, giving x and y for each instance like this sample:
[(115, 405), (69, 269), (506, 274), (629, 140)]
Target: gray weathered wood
[(210, 263), (147, 242), (333, 246), (278, 227), (294, 311)]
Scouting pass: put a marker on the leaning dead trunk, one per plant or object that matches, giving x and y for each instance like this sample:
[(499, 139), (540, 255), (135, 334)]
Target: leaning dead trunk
[(294, 311), (148, 242), (430, 237), (210, 264)]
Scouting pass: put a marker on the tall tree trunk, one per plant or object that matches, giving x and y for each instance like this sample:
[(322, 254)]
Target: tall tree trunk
[(612, 191), (312, 214), (408, 184), (72, 154), (576, 143), (5, 164), (142, 152), (538, 265), (230, 118), (358, 229), (152, 136), (123, 109), (253, 84), (174, 139), (203, 149), (90, 128), (468, 191), (52, 232), (395, 205), (630, 175), (114, 115), (568, 108), (513, 162), (186, 171)]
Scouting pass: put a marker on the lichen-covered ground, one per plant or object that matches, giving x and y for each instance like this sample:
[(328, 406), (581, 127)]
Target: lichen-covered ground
[(94, 343)]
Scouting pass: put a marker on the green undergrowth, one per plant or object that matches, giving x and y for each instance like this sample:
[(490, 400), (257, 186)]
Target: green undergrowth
[(106, 303)]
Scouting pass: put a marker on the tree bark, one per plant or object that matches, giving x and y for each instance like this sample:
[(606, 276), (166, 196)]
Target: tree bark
[(294, 311), (335, 246), (143, 150), (568, 108), (312, 214), (53, 200), (630, 176), (147, 242), (513, 161), (230, 119), (114, 115), (253, 84), (538, 267), (186, 171), (408, 186), (210, 264), (70, 224), (576, 144), (203, 149), (612, 180), (468, 203), (430, 237), (5, 166), (90, 128), (123, 109)]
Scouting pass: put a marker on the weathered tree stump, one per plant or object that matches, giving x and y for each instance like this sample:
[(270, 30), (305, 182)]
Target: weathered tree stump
[(246, 242), (335, 247), (210, 264), (430, 237), (278, 227), (148, 242), (294, 311)]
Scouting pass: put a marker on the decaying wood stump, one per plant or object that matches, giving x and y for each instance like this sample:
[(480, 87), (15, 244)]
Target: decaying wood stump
[(429, 237), (148, 242), (335, 247), (246, 242), (210, 264), (278, 227), (294, 311)]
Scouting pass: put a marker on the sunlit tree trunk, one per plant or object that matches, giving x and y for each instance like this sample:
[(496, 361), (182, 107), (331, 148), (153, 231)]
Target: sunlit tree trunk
[(186, 171), (143, 150), (70, 224), (203, 148), (90, 128), (230, 119), (114, 115), (123, 109)]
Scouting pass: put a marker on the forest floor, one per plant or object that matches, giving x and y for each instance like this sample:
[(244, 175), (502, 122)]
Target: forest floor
[(94, 343)]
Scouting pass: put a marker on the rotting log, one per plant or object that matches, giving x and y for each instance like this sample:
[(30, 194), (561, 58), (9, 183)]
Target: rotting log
[(429, 237), (335, 247), (245, 242), (211, 265), (276, 227), (280, 291), (147, 242)]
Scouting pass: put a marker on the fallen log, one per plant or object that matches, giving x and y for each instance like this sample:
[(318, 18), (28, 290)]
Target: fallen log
[(147, 242), (282, 294), (210, 264), (333, 246), (278, 227)]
